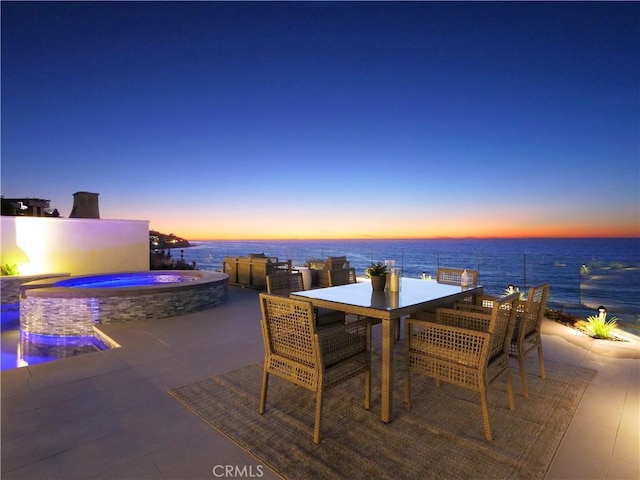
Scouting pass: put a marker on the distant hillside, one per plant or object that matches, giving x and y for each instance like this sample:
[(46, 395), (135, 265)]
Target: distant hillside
[(161, 241)]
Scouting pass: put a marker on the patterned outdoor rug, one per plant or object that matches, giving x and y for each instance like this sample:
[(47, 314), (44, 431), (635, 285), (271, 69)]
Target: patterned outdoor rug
[(441, 437)]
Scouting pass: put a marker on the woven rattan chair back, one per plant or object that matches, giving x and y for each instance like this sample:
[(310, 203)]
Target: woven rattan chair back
[(465, 348), (526, 336), (503, 317), (342, 276), (536, 305), (314, 360), (288, 331), (453, 276), (283, 283)]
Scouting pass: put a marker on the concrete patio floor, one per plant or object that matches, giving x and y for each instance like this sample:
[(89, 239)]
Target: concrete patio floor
[(107, 415)]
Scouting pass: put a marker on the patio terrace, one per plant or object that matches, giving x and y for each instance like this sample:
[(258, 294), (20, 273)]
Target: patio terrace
[(108, 415)]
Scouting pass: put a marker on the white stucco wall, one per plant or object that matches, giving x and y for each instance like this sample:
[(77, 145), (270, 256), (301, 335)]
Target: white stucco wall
[(75, 245)]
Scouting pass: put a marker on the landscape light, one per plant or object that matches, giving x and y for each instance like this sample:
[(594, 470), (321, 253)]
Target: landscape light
[(603, 312)]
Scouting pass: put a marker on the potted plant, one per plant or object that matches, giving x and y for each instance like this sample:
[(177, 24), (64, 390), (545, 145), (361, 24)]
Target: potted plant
[(377, 272)]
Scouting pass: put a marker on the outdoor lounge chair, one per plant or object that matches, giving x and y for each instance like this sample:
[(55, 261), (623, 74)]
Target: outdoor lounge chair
[(252, 270), (315, 360), (463, 348), (341, 276), (331, 263), (526, 334)]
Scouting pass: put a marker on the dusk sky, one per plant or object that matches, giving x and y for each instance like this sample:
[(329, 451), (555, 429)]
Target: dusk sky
[(328, 120)]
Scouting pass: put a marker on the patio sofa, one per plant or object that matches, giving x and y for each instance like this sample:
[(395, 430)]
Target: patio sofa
[(252, 270)]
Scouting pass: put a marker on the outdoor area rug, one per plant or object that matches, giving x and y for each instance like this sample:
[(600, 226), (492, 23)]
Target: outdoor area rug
[(441, 436)]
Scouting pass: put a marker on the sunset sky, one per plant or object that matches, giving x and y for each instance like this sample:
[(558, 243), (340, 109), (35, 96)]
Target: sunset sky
[(239, 120)]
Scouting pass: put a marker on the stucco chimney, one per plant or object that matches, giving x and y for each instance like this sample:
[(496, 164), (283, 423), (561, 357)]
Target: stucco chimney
[(85, 205)]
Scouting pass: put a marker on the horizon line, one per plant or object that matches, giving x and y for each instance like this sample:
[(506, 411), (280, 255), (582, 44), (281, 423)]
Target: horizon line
[(561, 237)]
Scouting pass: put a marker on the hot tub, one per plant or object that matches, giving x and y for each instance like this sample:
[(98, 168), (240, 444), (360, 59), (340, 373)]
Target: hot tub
[(73, 305)]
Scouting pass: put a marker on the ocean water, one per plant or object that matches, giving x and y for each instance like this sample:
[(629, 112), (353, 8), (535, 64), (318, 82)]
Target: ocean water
[(584, 273)]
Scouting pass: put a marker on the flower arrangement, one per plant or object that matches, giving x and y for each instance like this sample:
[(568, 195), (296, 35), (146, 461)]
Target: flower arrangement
[(377, 269)]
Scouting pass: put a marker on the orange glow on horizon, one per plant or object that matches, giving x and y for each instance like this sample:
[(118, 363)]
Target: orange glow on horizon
[(441, 237), (244, 234), (253, 225)]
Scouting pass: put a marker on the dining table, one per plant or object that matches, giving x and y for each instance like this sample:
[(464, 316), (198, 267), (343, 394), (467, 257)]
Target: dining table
[(414, 295)]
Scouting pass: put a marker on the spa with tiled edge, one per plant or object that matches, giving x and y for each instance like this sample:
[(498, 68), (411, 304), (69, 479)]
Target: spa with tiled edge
[(72, 306)]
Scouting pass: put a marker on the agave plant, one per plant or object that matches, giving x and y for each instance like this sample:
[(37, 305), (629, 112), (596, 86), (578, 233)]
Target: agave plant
[(378, 269), (599, 327), (9, 269)]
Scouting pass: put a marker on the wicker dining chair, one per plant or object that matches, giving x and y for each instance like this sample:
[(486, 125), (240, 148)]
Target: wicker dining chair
[(526, 335), (315, 360), (284, 283), (453, 276), (463, 348)]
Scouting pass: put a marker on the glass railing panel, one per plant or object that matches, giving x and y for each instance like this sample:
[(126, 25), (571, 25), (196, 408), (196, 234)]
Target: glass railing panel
[(579, 283)]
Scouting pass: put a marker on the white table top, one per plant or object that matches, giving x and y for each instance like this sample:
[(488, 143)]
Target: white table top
[(413, 294)]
